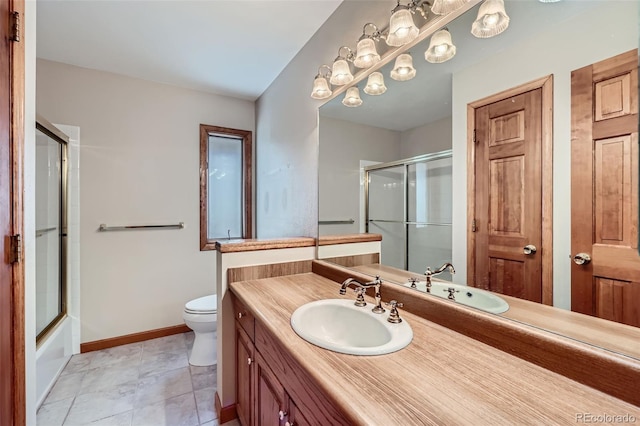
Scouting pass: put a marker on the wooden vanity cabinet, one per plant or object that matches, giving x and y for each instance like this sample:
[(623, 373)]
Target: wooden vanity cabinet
[(265, 391)]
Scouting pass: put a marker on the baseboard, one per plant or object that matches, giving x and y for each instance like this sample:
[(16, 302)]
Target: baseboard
[(133, 338), (225, 414)]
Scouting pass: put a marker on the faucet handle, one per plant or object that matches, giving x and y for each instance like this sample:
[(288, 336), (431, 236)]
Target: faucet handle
[(394, 316), (413, 281), (360, 296), (451, 291)]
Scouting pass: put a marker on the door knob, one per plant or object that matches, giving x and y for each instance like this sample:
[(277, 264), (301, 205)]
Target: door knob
[(529, 249), (581, 259)]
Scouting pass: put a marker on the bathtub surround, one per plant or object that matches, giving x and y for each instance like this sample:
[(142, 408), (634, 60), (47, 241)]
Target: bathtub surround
[(140, 157)]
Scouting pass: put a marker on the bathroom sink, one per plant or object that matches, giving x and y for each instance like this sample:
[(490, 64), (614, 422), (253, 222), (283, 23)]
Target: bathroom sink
[(465, 295), (340, 326)]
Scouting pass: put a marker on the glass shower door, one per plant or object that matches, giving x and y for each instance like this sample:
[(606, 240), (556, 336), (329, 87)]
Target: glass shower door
[(386, 212), (50, 231), (429, 214)]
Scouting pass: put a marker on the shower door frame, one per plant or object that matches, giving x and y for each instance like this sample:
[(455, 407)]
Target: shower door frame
[(424, 158), (56, 135)]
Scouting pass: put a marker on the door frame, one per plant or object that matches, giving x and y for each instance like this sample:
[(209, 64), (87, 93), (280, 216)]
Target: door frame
[(546, 84), (17, 136)]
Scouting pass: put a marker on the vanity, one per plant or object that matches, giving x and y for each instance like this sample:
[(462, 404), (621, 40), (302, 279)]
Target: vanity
[(442, 377)]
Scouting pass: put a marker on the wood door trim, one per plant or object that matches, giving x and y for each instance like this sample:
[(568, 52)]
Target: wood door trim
[(17, 150), (546, 84)]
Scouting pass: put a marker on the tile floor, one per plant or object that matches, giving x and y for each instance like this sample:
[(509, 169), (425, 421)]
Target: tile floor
[(142, 384)]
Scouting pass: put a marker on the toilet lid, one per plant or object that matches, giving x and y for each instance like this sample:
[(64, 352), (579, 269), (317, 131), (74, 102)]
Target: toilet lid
[(206, 304)]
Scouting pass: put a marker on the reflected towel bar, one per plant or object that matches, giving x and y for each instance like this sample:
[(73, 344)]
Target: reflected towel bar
[(41, 232), (103, 227), (336, 222)]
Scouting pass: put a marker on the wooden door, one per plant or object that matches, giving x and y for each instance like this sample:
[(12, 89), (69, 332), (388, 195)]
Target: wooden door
[(508, 196), (245, 361), (604, 187), (270, 396), (295, 416)]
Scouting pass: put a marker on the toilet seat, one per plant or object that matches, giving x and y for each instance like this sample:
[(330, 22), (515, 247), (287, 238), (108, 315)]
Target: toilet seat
[(202, 305)]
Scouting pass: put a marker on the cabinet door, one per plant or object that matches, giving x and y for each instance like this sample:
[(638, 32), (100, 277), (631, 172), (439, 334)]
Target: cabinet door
[(270, 396), (296, 418), (244, 368)]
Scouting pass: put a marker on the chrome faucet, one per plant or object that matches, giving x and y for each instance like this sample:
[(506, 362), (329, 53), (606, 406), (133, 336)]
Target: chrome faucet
[(429, 273), (377, 283)]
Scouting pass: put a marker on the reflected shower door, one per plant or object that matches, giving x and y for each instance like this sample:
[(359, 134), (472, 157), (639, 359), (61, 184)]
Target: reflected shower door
[(429, 211), (386, 212)]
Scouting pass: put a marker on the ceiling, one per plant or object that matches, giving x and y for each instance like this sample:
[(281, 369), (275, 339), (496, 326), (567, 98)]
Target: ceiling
[(229, 47), (427, 97)]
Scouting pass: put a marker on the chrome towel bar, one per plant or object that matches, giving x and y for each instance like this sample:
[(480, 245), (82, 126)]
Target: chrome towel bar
[(104, 228), (336, 222)]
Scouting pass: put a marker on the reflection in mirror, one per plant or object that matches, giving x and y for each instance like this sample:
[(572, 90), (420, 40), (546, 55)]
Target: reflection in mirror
[(428, 114)]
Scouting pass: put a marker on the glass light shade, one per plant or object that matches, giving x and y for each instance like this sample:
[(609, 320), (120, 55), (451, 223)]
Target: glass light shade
[(321, 89), (366, 53), (341, 74), (442, 7), (441, 48), (491, 21), (403, 69), (375, 84), (352, 97), (402, 29)]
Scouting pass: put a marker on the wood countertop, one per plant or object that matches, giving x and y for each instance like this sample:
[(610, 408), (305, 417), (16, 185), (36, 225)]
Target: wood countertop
[(325, 240), (441, 378), (240, 245), (620, 338)]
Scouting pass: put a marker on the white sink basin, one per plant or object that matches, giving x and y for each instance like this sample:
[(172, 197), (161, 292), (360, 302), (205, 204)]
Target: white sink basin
[(340, 326), (469, 296)]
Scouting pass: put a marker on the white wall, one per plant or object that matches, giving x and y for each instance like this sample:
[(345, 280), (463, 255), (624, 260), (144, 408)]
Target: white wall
[(343, 145), (140, 162), (597, 34), (287, 127), (431, 137)]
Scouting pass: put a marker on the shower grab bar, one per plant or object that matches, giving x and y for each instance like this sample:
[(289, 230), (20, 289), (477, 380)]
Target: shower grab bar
[(104, 228), (410, 223), (336, 222), (41, 232)]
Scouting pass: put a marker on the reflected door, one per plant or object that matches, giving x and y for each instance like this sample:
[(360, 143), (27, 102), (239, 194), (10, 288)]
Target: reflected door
[(386, 213), (508, 196), (605, 275)]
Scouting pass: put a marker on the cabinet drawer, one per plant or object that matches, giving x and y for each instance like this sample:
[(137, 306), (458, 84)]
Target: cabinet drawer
[(244, 317)]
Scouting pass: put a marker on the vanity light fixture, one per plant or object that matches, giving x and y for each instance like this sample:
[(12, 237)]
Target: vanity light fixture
[(321, 87), (402, 29), (441, 48), (352, 97), (443, 7), (492, 19), (375, 84), (366, 53), (341, 73), (403, 69)]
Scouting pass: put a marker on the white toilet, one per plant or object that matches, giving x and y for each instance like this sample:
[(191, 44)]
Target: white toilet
[(201, 315)]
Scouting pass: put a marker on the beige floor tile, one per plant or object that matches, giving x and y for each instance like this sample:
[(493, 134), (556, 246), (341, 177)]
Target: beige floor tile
[(206, 406), (203, 377), (53, 414), (163, 386), (65, 387), (175, 344), (153, 364), (176, 411), (122, 419), (109, 377), (90, 407)]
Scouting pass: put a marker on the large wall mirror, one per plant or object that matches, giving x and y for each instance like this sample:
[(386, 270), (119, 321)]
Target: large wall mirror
[(398, 164)]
